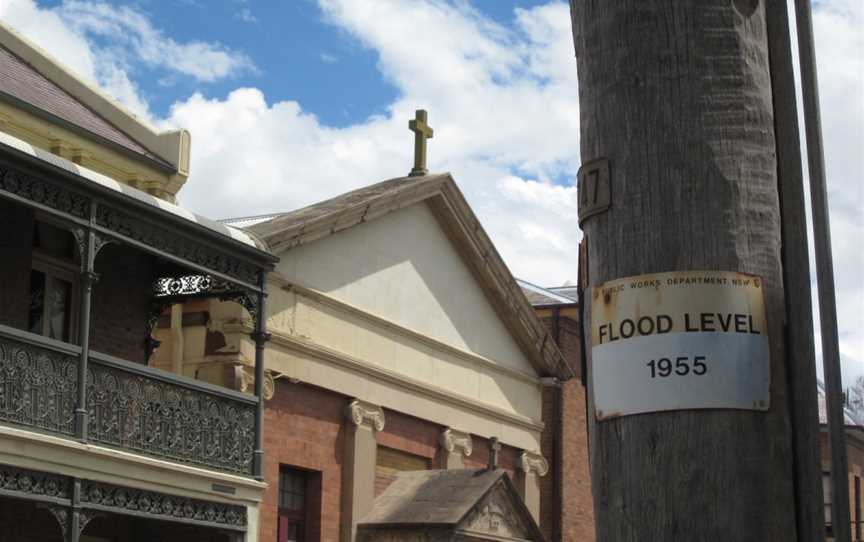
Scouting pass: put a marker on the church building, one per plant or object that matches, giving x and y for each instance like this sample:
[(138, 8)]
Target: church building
[(399, 341), (95, 444)]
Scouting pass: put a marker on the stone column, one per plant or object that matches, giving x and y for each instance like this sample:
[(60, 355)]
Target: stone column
[(532, 466), (358, 465), (455, 445)]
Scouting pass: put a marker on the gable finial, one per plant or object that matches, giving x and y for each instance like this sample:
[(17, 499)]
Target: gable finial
[(494, 448), (422, 132)]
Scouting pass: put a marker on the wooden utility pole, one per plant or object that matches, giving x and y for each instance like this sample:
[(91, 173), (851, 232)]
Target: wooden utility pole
[(677, 122)]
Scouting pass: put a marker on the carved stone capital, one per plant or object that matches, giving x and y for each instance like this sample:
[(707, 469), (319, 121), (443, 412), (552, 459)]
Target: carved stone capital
[(246, 381), (533, 463), (456, 442), (360, 412)]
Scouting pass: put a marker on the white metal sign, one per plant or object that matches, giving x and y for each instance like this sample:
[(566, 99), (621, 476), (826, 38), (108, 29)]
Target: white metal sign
[(682, 340)]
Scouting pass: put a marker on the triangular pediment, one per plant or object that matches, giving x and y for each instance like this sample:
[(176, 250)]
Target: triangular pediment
[(464, 505), (498, 515), (289, 233)]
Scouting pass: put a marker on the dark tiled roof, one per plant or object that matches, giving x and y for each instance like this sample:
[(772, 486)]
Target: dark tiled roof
[(285, 223), (450, 499), (20, 82), (432, 496)]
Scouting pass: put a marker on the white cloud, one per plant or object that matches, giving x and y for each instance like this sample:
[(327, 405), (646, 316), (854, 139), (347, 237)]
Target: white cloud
[(246, 16), (328, 58), (839, 43), (130, 33), (502, 103), (502, 100), (47, 29), (128, 39)]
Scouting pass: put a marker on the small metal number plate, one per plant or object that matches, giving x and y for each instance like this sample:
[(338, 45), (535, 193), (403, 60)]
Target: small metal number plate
[(595, 193)]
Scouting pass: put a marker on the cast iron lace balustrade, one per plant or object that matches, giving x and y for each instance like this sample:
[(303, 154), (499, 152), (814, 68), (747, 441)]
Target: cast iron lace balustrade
[(38, 386), (165, 418), (132, 407)]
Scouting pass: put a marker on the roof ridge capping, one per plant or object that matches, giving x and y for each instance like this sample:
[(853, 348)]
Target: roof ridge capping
[(172, 146)]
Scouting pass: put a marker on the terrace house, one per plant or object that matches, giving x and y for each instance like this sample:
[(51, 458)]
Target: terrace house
[(95, 444)]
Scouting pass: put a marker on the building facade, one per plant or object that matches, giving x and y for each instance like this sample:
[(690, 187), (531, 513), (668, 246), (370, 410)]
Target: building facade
[(567, 506), (399, 342), (855, 459), (94, 443)]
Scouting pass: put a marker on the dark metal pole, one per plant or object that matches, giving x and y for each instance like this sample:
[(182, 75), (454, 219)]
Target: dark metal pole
[(75, 527), (260, 337), (88, 279), (800, 352), (840, 517)]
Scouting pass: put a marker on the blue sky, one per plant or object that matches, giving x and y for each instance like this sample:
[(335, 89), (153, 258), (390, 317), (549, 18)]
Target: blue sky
[(293, 101), (298, 54)]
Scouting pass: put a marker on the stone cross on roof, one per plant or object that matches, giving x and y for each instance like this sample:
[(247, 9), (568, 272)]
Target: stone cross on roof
[(422, 132)]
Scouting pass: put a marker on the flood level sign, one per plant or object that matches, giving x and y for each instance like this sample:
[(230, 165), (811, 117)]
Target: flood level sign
[(680, 340)]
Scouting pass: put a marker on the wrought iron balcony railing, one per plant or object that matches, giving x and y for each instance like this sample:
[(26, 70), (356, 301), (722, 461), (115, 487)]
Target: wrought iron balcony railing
[(130, 406)]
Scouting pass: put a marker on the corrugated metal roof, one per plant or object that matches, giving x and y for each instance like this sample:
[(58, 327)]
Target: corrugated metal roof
[(21, 82), (848, 417), (568, 290), (539, 296)]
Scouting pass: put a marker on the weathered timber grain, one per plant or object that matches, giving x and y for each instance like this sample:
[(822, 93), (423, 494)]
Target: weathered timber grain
[(677, 95)]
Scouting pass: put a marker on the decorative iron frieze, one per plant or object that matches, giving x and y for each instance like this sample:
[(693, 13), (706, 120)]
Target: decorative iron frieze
[(162, 506), (170, 242), (37, 387), (190, 285), (34, 483), (43, 192), (167, 420), (167, 290)]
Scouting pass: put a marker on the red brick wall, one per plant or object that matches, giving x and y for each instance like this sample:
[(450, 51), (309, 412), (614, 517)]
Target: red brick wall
[(550, 510), (304, 428), (577, 522), (855, 461), (121, 298), (121, 302), (16, 232), (508, 457), (566, 511), (411, 435)]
